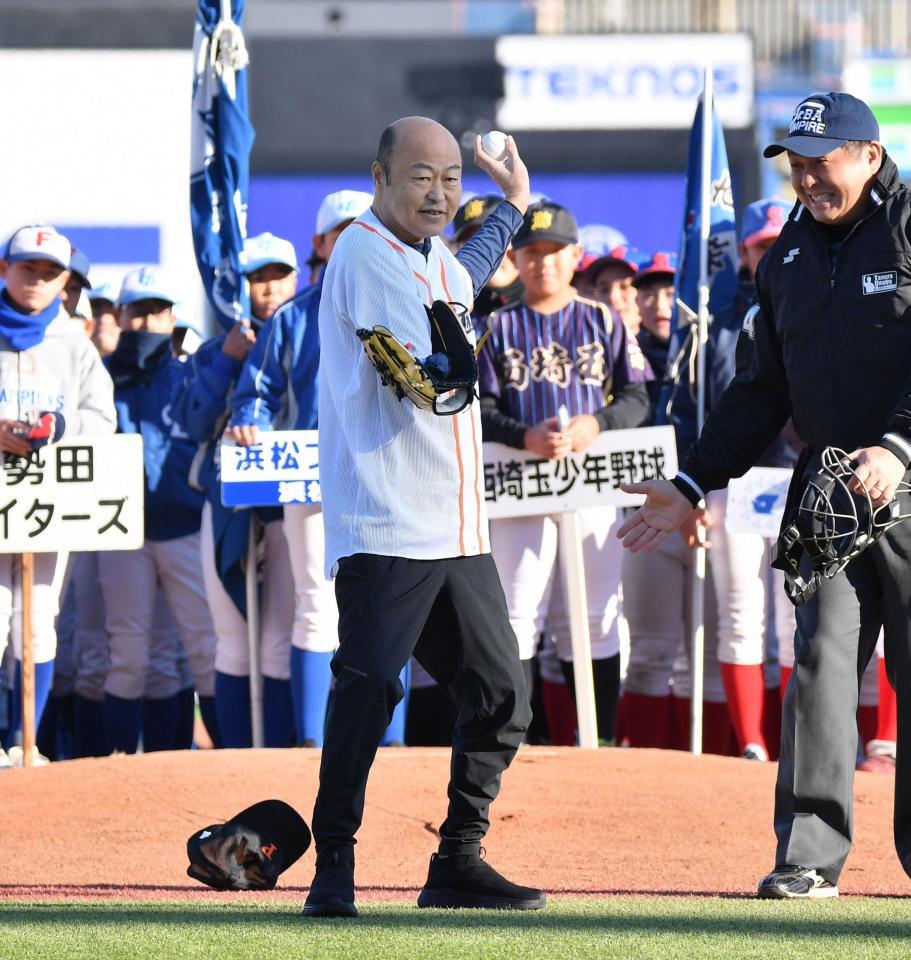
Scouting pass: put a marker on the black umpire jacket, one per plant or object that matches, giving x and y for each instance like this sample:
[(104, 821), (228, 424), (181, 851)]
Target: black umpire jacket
[(827, 342)]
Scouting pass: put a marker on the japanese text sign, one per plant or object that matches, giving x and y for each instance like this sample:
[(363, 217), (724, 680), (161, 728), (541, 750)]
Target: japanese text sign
[(84, 495), (517, 483), (283, 468)]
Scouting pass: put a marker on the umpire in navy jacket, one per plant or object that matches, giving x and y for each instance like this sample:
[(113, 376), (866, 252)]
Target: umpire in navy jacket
[(828, 343)]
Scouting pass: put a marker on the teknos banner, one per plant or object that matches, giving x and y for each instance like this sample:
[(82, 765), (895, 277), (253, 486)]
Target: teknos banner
[(622, 81)]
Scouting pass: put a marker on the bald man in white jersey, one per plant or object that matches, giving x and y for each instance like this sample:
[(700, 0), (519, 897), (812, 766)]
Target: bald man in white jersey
[(406, 528)]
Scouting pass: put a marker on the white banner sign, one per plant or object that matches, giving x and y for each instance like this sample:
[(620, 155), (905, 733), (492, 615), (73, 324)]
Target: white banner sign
[(756, 501), (282, 468), (622, 81), (84, 495), (519, 484)]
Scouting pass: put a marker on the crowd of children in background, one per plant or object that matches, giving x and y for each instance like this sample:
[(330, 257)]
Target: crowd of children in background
[(148, 650)]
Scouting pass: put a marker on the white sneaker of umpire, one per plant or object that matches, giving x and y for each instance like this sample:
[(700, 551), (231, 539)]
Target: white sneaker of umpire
[(795, 883), (5, 762)]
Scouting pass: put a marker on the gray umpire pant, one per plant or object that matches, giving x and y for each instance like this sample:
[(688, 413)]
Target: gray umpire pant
[(836, 635)]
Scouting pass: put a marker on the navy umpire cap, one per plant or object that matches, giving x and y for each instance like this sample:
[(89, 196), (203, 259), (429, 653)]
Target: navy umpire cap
[(823, 122), (250, 850)]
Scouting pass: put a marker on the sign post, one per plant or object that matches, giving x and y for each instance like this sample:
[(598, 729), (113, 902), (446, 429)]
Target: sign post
[(83, 495), (27, 567), (253, 638)]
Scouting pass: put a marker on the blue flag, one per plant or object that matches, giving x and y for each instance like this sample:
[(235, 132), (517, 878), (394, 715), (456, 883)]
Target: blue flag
[(221, 139), (722, 247)]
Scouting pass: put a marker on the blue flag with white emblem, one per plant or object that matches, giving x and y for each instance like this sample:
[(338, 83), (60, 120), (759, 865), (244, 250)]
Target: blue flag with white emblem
[(722, 258), (722, 247), (221, 140)]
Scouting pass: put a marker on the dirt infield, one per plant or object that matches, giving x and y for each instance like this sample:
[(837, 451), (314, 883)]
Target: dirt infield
[(572, 821)]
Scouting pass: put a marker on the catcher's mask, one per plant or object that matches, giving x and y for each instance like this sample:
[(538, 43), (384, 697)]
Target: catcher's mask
[(250, 850), (831, 524)]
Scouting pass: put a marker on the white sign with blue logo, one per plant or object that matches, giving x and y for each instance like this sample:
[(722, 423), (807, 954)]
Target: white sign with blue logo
[(622, 82), (756, 501), (283, 468)]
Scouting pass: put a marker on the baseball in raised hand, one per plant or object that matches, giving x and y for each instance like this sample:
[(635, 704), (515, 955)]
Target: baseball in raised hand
[(664, 511), (509, 174)]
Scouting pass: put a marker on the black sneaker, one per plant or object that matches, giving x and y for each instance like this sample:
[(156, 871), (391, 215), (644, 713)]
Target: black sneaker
[(332, 891), (464, 880), (795, 883)]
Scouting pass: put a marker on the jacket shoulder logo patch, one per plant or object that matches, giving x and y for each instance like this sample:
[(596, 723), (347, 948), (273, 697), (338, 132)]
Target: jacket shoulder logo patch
[(749, 321), (792, 254), (884, 282)]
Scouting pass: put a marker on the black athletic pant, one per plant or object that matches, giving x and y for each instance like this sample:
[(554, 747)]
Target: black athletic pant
[(836, 635), (451, 614)]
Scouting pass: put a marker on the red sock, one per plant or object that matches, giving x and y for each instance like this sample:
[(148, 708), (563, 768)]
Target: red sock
[(771, 722), (560, 710), (785, 677), (678, 730), (887, 715), (866, 723), (645, 719), (744, 686), (717, 730)]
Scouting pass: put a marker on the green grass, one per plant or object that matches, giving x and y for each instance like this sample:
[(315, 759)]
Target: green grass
[(634, 928)]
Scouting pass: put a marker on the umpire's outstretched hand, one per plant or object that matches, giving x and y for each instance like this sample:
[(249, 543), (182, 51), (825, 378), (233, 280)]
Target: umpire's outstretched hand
[(664, 511), (510, 174)]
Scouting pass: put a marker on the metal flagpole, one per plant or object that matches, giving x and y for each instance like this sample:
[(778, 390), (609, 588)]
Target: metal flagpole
[(697, 606)]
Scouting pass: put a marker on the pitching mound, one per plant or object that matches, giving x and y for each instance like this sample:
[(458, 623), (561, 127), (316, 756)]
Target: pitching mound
[(572, 821)]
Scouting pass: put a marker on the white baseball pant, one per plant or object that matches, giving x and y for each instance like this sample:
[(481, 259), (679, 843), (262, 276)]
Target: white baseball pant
[(315, 610), (526, 552), (50, 569), (129, 585), (232, 651), (657, 602)]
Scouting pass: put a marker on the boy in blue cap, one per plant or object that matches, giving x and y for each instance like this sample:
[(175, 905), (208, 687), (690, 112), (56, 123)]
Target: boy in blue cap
[(277, 390), (145, 374), (201, 407)]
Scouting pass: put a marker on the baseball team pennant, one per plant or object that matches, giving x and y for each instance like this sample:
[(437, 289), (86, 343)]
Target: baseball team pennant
[(221, 140)]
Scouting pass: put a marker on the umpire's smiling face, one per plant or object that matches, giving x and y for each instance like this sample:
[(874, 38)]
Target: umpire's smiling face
[(835, 187), (417, 179)]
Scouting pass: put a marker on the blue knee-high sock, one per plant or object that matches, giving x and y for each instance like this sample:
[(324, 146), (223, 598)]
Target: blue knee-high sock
[(159, 724), (210, 719), (395, 732), (89, 727), (44, 677), (311, 678), (232, 707), (186, 719), (122, 723), (278, 713)]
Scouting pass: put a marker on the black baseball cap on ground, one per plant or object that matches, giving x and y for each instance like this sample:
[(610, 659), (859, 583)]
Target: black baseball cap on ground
[(474, 212), (250, 850), (823, 122), (547, 222)]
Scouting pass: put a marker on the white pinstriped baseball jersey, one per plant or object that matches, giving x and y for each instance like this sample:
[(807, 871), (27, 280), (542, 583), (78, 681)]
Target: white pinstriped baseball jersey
[(396, 480)]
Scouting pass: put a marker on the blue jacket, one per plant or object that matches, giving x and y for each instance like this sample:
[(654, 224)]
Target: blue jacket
[(142, 398), (201, 408), (277, 388)]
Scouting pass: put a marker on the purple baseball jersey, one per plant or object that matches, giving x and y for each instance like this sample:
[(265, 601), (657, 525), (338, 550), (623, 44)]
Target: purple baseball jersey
[(577, 357)]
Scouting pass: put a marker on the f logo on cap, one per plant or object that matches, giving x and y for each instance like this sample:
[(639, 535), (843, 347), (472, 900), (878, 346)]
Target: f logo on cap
[(43, 235)]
